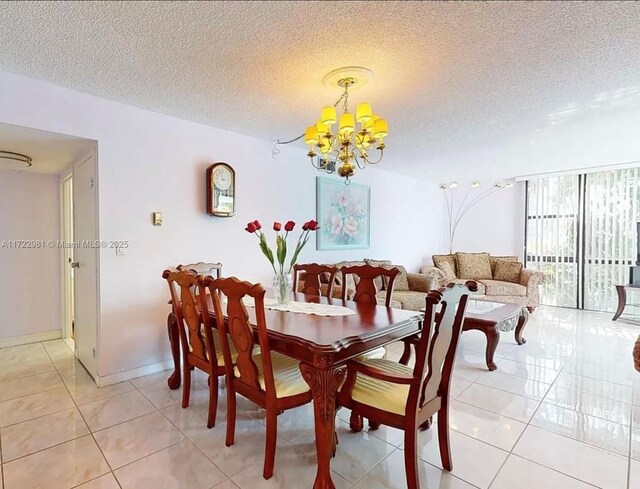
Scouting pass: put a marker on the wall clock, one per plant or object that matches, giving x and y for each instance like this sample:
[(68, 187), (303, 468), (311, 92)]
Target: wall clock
[(221, 190)]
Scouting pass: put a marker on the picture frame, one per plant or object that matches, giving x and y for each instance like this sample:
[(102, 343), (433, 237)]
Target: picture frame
[(343, 213)]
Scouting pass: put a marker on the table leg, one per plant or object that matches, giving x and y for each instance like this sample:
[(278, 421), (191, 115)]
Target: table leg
[(324, 383), (493, 337), (174, 340), (522, 322), (622, 301)]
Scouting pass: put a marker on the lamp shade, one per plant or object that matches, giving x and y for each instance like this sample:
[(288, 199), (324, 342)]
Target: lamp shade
[(329, 116), (380, 129), (322, 128), (363, 112), (347, 124), (311, 135)]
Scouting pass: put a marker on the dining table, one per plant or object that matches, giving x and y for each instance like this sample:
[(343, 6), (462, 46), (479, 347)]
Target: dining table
[(322, 345)]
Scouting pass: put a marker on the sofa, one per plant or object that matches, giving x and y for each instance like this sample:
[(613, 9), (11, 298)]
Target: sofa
[(499, 278), (409, 290)]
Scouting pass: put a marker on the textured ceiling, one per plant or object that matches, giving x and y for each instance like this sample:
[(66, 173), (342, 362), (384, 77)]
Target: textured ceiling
[(450, 77), (50, 152)]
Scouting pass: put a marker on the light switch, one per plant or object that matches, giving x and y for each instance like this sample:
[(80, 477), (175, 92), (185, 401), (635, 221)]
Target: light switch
[(157, 218)]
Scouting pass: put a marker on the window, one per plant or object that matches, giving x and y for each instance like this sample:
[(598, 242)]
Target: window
[(580, 232)]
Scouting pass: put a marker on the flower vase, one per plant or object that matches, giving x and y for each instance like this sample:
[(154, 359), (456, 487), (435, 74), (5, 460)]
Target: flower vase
[(282, 285)]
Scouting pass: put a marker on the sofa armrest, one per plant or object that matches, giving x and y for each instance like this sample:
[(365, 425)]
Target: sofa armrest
[(531, 278), (428, 278)]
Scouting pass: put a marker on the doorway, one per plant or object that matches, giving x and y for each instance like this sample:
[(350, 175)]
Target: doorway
[(48, 222), (68, 285)]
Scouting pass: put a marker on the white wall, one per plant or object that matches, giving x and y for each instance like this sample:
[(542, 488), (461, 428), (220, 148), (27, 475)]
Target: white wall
[(30, 298), (151, 162), (495, 224)]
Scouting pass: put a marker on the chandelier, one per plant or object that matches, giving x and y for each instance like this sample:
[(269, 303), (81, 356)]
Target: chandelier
[(348, 146)]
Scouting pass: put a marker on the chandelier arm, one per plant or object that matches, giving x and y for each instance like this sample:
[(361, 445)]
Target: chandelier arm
[(378, 160)]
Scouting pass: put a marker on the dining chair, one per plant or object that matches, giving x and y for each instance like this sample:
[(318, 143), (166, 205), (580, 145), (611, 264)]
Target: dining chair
[(201, 346), (396, 395), (366, 289), (269, 379), (312, 284)]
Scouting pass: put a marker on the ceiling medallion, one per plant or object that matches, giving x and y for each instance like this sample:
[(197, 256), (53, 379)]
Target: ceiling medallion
[(349, 147), (20, 158)]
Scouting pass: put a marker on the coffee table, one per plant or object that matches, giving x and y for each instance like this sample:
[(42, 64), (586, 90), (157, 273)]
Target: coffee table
[(493, 317)]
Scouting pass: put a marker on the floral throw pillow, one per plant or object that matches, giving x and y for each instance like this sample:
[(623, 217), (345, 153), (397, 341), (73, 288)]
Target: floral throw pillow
[(508, 271), (474, 266), (447, 269)]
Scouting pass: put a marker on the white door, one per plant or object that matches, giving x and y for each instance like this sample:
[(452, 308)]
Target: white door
[(85, 230)]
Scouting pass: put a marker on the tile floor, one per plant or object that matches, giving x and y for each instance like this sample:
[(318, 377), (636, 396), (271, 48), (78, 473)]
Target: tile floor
[(562, 411)]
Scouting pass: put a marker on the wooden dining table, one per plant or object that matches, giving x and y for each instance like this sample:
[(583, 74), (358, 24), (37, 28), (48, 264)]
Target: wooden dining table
[(322, 345)]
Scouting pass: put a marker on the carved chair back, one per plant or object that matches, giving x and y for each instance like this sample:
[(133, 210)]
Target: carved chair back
[(197, 341), (312, 281), (366, 288), (238, 329), (436, 349)]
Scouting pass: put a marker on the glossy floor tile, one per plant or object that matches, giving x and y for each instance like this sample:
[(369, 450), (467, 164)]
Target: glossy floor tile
[(34, 405), (34, 435), (117, 409), (579, 460), (132, 440), (60, 467), (517, 470), (561, 411), (176, 467), (589, 429)]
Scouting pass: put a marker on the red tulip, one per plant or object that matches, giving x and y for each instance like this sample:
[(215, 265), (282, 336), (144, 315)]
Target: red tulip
[(277, 226), (251, 228), (257, 224), (313, 225), (289, 226)]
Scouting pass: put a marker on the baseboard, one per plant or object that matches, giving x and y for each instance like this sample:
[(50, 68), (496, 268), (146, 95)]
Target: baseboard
[(133, 373), (25, 339)]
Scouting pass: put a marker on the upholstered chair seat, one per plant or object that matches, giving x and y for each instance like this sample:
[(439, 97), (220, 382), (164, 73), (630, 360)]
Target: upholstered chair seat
[(380, 394), (286, 375)]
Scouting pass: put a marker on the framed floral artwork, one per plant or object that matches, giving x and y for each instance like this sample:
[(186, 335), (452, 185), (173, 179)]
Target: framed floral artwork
[(343, 213)]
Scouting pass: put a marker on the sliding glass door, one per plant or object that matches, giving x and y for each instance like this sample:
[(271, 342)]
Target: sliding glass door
[(552, 237), (580, 232), (611, 212)]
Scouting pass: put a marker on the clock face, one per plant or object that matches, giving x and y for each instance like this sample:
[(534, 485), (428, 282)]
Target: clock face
[(222, 178)]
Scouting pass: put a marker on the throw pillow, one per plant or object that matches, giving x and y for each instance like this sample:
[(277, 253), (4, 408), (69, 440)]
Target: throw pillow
[(447, 269), (440, 260), (495, 259), (474, 266), (508, 271), (402, 282)]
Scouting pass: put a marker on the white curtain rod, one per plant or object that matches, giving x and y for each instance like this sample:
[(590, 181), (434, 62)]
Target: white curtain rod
[(594, 169)]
